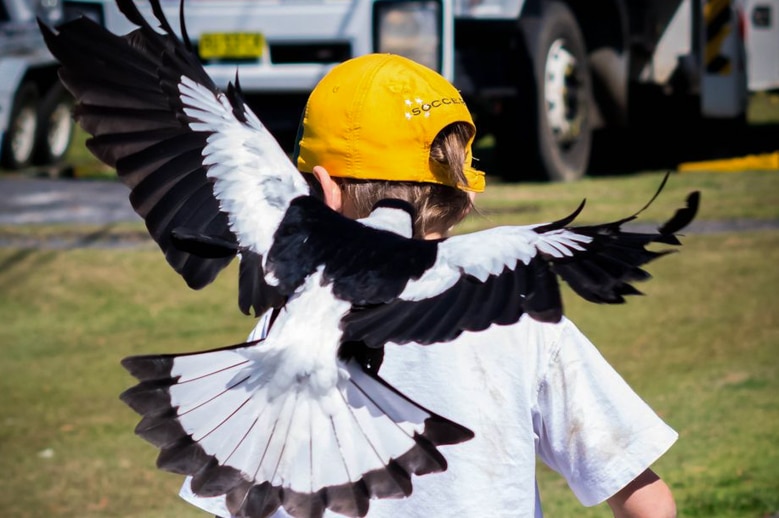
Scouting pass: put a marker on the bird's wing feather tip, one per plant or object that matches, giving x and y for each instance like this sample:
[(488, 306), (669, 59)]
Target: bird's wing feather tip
[(215, 479)]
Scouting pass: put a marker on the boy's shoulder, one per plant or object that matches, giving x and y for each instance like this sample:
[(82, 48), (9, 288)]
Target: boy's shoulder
[(546, 337)]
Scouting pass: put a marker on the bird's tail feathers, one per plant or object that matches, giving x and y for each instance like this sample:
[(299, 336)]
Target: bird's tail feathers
[(218, 417)]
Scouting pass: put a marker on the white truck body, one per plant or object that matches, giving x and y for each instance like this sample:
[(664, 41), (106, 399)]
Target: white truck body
[(323, 23), (35, 124), (543, 73), (762, 43)]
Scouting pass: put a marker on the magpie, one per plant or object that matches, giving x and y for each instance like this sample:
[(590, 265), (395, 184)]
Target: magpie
[(301, 419)]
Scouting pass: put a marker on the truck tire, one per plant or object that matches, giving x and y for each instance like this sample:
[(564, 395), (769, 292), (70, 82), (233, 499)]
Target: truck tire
[(55, 126), (19, 139), (550, 120)]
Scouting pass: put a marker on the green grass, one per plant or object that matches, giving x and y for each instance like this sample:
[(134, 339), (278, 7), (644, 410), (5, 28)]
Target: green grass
[(702, 348), (751, 195), (763, 108), (66, 442)]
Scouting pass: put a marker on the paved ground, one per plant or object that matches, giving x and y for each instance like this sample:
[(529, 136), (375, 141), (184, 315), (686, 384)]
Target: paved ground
[(25, 200), (33, 200)]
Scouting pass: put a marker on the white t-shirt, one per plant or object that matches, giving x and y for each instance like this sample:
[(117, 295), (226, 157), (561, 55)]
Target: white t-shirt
[(526, 390)]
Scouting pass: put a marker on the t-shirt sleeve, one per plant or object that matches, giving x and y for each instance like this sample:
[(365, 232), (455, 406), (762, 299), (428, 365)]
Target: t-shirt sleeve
[(591, 427)]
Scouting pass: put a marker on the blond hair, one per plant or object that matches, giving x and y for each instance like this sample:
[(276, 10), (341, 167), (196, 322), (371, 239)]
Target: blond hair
[(438, 207)]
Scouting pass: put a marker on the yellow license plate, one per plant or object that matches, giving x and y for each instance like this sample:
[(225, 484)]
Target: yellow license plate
[(232, 45)]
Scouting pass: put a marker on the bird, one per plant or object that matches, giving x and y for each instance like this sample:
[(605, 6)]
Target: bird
[(301, 419)]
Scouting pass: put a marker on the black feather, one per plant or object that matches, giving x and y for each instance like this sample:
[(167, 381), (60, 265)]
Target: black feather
[(682, 217), (253, 292), (311, 235), (348, 499), (202, 245), (215, 479), (127, 99)]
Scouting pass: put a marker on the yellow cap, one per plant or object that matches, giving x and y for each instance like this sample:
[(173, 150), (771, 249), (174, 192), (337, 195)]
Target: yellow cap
[(374, 118)]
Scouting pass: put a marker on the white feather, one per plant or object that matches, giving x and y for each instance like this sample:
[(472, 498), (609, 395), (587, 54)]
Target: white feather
[(390, 219), (286, 410), (489, 252), (561, 243), (254, 179)]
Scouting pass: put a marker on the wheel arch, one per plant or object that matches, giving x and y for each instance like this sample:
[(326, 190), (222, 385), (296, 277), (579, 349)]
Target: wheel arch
[(605, 27), (17, 143), (497, 77), (44, 76), (51, 91)]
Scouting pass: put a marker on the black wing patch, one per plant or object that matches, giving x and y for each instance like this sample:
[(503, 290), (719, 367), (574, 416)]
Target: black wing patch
[(355, 257), (469, 305), (603, 272), (126, 93), (253, 292), (613, 259)]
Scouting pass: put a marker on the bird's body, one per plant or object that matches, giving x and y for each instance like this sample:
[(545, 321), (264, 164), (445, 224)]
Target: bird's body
[(317, 430), (298, 420)]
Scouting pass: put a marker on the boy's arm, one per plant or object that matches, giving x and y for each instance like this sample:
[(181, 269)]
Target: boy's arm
[(646, 496)]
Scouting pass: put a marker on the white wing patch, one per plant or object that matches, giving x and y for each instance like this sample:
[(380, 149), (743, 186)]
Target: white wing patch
[(561, 243), (254, 179), (489, 252), (391, 219)]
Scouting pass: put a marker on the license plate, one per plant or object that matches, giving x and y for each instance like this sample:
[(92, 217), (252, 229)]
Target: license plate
[(232, 45)]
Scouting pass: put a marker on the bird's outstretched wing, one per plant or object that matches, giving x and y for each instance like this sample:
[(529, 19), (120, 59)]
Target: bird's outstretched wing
[(494, 276), (197, 160), (211, 182)]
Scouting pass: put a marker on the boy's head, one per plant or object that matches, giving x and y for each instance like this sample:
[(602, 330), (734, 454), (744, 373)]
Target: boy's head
[(374, 120)]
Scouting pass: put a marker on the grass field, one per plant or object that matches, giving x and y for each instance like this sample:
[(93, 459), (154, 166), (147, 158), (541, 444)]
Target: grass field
[(702, 348)]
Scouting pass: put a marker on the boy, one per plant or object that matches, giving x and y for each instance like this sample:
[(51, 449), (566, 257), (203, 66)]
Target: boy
[(381, 126)]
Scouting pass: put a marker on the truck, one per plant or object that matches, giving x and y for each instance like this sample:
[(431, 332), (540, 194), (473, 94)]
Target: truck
[(541, 76), (762, 43), (36, 126)]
